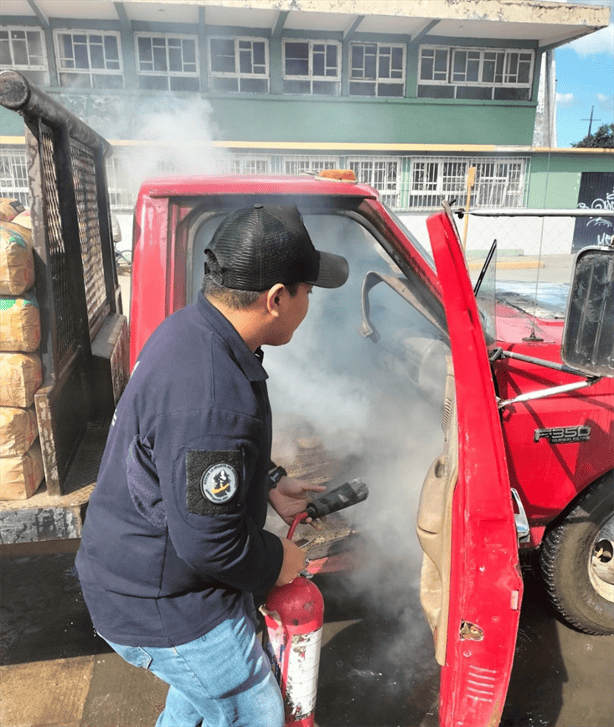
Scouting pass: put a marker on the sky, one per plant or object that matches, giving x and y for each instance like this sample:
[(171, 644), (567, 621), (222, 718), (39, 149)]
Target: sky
[(585, 80)]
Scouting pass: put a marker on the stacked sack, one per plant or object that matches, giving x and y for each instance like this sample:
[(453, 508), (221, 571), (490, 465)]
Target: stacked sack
[(21, 464)]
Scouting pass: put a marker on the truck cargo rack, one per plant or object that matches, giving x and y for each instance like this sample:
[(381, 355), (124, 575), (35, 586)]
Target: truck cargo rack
[(84, 336)]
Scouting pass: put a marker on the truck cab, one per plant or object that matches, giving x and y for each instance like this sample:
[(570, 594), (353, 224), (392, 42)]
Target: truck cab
[(522, 459)]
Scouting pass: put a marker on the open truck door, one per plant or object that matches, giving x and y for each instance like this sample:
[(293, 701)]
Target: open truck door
[(471, 587)]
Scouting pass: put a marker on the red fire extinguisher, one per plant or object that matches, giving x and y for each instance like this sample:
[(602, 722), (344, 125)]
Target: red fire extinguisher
[(294, 615)]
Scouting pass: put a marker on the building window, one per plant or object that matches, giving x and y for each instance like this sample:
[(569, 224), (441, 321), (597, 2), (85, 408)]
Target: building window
[(239, 65), (167, 62), (23, 49), (309, 164), (377, 69), (89, 59), (14, 174), (498, 182), (121, 196), (475, 73), (382, 173), (244, 164), (312, 67)]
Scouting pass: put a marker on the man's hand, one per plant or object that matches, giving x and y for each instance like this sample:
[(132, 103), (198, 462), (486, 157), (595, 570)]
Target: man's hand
[(294, 562), (290, 497)]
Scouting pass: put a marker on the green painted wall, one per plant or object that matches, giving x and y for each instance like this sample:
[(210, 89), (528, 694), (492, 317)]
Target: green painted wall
[(371, 121), (11, 123), (555, 178), (282, 119)]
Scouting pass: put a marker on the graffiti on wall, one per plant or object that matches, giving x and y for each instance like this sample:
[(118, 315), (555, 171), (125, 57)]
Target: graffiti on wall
[(596, 193)]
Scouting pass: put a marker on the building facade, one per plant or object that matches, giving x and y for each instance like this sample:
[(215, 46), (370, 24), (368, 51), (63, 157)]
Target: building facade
[(410, 94)]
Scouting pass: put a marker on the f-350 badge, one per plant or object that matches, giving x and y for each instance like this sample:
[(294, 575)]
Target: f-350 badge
[(564, 435)]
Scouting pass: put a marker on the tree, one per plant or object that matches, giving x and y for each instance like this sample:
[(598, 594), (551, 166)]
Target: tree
[(603, 138)]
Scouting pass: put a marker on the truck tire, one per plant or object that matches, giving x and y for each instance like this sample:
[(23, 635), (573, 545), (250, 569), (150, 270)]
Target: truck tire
[(577, 561)]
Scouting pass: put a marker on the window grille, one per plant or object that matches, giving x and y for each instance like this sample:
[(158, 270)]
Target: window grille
[(244, 164), (23, 50), (416, 183), (118, 180), (239, 65), (475, 73), (377, 69), (167, 62), (382, 173), (89, 59), (312, 67), (14, 174), (499, 182), (308, 164)]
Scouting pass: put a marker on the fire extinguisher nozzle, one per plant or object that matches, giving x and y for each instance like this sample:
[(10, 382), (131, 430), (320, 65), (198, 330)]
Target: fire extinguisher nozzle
[(341, 497)]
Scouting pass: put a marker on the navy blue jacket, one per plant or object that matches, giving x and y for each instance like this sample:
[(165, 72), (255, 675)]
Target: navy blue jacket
[(174, 528)]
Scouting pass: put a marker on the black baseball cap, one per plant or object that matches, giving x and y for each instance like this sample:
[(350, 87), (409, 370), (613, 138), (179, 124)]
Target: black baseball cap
[(256, 247)]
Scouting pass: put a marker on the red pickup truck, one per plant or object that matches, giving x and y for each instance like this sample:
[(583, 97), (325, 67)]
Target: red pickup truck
[(526, 460)]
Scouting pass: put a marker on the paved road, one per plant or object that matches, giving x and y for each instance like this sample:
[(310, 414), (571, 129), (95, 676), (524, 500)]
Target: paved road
[(377, 667)]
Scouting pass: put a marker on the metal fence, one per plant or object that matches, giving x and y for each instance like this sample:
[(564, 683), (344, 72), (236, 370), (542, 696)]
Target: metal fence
[(531, 232), (532, 245)]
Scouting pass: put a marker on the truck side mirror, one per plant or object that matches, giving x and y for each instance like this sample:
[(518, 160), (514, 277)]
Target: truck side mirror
[(588, 336)]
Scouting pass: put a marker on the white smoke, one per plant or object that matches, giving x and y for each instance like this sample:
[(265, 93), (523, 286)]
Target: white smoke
[(329, 383), (174, 138)]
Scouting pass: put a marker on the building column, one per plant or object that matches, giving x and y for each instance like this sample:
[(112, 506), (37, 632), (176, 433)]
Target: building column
[(128, 50)]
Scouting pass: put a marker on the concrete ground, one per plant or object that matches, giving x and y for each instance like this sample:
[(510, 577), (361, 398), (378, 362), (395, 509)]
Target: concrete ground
[(377, 667)]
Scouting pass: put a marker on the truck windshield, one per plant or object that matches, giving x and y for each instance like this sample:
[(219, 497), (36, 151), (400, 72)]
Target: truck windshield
[(334, 329), (426, 254)]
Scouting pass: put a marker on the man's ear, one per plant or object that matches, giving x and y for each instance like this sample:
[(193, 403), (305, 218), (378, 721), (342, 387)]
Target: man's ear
[(274, 297)]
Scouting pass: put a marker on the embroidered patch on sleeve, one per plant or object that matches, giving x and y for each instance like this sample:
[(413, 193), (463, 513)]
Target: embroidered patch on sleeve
[(213, 481)]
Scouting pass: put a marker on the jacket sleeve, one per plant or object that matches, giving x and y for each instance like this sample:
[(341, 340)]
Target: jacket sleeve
[(207, 482)]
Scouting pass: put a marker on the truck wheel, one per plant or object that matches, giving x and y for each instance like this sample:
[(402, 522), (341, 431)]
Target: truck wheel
[(577, 561)]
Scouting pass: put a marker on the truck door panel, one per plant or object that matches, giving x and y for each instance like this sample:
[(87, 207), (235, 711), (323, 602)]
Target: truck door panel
[(434, 526), (473, 520)]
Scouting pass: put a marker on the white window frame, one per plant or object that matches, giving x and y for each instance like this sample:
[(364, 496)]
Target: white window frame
[(493, 189), (244, 164), (44, 66), (490, 189), (62, 68), (435, 48), (311, 77), (168, 73), (389, 193), (378, 79), (451, 52), (237, 72), (308, 164), (14, 174), (121, 196)]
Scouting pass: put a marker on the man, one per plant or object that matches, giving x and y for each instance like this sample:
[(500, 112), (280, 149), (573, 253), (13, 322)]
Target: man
[(173, 545)]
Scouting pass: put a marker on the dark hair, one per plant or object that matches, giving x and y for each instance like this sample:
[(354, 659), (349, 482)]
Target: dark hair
[(236, 299)]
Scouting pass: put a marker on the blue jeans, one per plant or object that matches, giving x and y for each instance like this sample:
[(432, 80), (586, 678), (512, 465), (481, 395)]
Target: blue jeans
[(223, 678)]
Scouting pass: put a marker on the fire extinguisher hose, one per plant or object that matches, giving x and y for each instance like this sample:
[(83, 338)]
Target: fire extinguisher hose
[(301, 516)]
